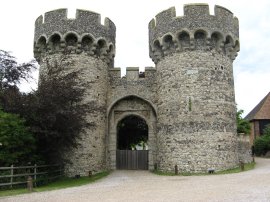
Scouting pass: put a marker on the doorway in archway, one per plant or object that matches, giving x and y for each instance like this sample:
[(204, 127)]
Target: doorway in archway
[(132, 148)]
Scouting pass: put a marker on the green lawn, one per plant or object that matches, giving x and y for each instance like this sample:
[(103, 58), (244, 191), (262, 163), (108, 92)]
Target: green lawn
[(60, 184), (248, 166)]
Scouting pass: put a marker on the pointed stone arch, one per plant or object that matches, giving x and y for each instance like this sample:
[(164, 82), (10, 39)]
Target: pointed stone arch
[(130, 105)]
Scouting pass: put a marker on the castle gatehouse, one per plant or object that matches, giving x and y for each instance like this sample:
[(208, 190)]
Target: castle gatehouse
[(183, 108)]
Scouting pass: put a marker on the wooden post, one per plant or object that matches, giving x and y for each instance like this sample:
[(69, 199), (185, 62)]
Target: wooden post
[(90, 174), (35, 175), (253, 158), (11, 175), (62, 170), (30, 183), (176, 170), (242, 165), (155, 167)]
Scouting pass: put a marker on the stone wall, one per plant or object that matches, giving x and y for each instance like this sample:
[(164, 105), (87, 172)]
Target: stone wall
[(244, 148), (142, 84), (196, 112), (90, 154)]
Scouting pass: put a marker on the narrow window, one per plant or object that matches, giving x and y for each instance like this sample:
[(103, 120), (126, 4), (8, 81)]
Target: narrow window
[(189, 104)]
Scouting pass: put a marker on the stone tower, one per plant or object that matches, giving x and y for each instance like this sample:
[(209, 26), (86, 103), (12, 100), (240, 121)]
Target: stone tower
[(196, 127), (87, 45)]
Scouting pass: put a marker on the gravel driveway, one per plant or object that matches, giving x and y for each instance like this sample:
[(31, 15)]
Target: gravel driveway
[(138, 186)]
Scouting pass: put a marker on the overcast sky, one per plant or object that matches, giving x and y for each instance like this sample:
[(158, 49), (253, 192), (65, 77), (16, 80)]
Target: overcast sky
[(131, 17)]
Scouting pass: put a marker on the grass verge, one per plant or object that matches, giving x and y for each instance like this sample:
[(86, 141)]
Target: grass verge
[(59, 184), (248, 166)]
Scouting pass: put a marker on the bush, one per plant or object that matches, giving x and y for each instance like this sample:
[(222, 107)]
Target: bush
[(262, 144), (16, 142), (243, 125)]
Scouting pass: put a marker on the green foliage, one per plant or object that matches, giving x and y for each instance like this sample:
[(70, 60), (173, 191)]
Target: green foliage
[(262, 144), (58, 116), (243, 125), (266, 130), (16, 141), (11, 74), (132, 131), (53, 112)]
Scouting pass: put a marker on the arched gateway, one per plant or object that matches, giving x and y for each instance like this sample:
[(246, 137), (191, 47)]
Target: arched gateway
[(132, 120)]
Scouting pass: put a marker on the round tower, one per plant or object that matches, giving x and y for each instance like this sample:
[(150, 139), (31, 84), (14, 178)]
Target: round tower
[(83, 44), (194, 53)]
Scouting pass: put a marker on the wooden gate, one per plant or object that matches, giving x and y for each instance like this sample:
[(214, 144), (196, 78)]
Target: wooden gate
[(132, 159)]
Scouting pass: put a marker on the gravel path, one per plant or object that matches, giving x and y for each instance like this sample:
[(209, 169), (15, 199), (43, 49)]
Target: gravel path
[(139, 186)]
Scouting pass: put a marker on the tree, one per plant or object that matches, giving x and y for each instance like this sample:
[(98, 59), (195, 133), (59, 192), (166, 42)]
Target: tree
[(17, 143), (11, 73), (243, 125), (262, 144), (59, 115), (60, 112), (54, 112)]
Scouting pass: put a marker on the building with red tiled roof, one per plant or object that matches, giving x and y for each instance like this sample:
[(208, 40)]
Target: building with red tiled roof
[(259, 117)]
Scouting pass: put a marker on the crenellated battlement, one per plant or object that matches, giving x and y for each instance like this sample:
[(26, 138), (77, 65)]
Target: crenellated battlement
[(84, 22), (57, 33), (133, 83), (195, 30), (198, 12), (132, 74)]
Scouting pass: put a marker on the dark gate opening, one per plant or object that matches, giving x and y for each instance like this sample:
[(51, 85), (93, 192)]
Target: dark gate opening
[(132, 148)]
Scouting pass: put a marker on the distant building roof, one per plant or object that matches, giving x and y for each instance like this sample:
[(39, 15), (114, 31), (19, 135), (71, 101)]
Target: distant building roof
[(261, 111)]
